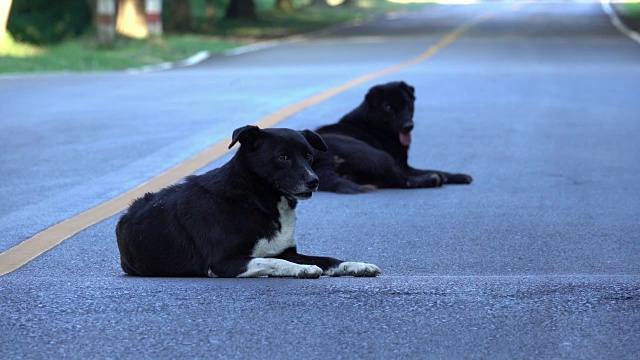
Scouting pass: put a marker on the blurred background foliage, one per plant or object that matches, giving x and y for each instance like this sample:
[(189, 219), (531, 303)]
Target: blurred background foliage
[(49, 22), (54, 35)]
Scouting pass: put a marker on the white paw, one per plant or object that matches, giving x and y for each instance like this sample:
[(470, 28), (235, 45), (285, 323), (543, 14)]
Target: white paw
[(349, 268), (280, 268), (309, 272)]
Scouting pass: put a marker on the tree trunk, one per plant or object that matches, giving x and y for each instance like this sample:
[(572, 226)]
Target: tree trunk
[(131, 19), (210, 12), (179, 16), (286, 5), (93, 5), (5, 8), (241, 9)]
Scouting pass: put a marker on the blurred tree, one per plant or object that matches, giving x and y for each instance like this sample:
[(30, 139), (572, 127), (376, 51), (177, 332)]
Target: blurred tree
[(319, 3), (46, 21), (131, 19), (241, 9), (210, 12), (5, 7), (178, 16), (286, 5)]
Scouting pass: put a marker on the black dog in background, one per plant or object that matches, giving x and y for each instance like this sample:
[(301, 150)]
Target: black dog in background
[(368, 147), (234, 221)]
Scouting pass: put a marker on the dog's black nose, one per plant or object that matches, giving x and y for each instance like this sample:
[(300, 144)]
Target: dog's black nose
[(407, 127), (313, 183)]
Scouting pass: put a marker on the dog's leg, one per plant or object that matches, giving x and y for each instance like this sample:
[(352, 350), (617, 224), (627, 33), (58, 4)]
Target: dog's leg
[(457, 178), (394, 177), (277, 267), (381, 169), (448, 178), (257, 267), (428, 180), (334, 183), (331, 181), (331, 266)]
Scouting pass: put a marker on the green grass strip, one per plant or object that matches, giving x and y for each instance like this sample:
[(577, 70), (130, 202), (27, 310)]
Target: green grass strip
[(83, 54)]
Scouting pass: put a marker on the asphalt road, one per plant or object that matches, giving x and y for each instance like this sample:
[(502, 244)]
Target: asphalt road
[(538, 258)]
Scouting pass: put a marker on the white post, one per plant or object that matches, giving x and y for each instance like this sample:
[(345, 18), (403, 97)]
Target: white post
[(106, 11), (154, 17), (5, 9)]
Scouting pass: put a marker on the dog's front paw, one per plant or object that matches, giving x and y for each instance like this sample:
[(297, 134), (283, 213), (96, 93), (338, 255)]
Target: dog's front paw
[(459, 179), (427, 180), (309, 272), (367, 188), (349, 268)]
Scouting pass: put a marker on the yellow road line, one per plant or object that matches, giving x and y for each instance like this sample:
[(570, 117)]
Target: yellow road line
[(35, 246)]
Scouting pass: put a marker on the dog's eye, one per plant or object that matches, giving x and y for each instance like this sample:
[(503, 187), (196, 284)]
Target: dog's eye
[(387, 108), (283, 158), (309, 156)]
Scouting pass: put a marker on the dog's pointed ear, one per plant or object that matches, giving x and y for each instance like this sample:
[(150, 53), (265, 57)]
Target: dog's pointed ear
[(314, 140), (245, 135), (374, 96), (409, 89)]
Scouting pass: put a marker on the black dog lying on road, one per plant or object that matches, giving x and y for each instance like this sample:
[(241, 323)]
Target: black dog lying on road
[(368, 147), (234, 221)]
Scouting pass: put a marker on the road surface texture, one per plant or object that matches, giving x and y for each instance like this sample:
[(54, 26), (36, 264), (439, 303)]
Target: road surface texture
[(538, 258)]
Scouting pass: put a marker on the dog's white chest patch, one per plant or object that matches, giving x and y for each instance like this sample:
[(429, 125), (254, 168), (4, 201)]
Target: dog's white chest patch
[(283, 239)]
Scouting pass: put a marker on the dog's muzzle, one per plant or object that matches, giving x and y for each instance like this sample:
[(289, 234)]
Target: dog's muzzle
[(305, 189), (405, 133), (312, 184), (407, 127)]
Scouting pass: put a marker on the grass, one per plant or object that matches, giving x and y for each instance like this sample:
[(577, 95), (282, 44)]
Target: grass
[(629, 12), (82, 54), (632, 9)]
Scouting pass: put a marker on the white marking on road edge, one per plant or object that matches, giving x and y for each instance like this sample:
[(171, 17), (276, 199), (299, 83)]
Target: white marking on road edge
[(615, 20), (253, 47), (197, 58), (204, 55)]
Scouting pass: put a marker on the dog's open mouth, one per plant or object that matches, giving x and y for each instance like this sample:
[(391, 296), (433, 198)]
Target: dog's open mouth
[(298, 193), (302, 195), (405, 138)]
